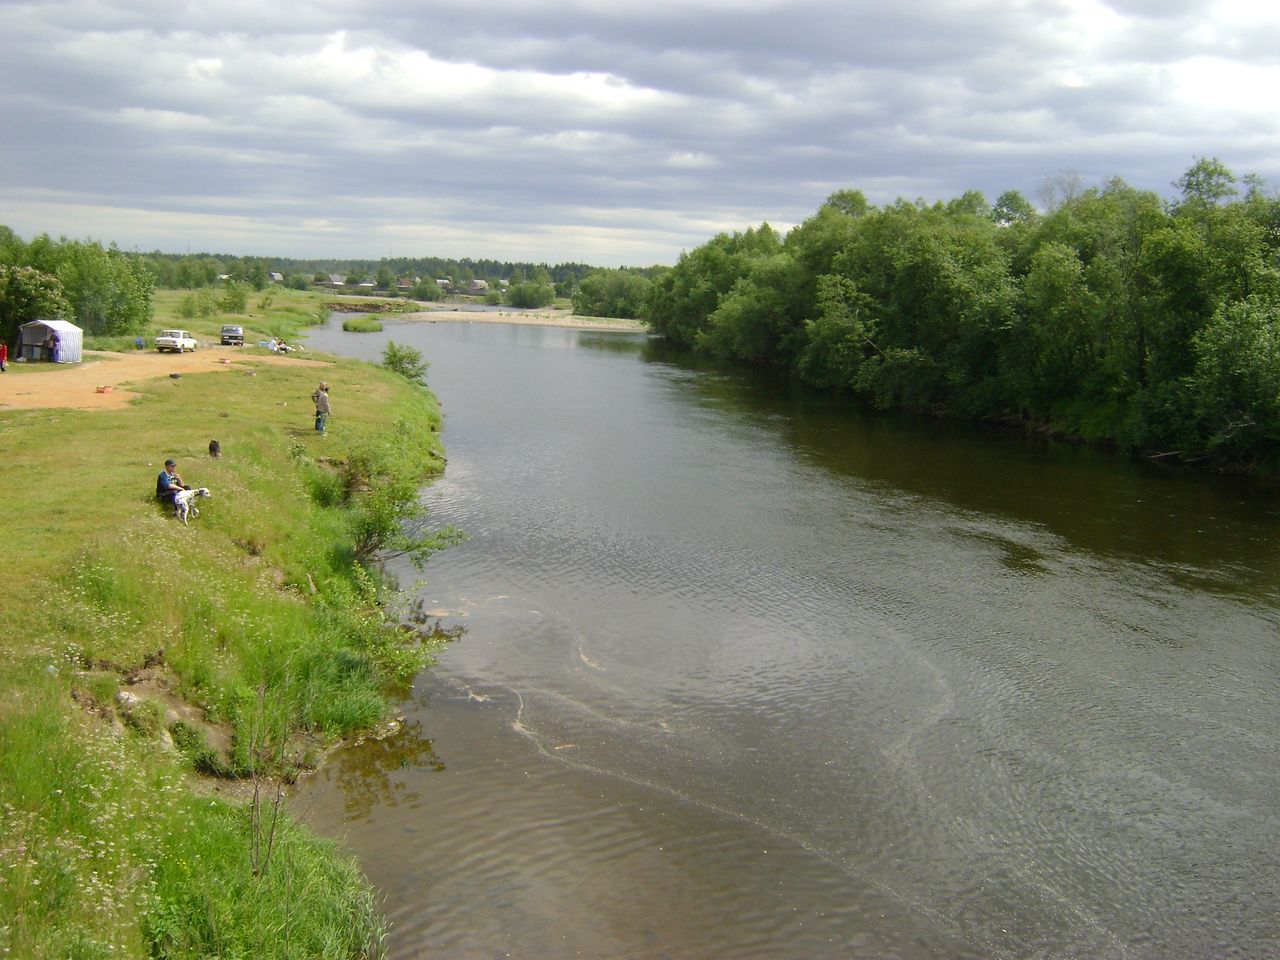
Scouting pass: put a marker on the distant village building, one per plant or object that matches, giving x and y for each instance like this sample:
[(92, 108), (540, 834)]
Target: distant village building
[(276, 277), (335, 280), (478, 286)]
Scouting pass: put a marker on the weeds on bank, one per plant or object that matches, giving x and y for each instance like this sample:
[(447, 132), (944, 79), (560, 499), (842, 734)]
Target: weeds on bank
[(361, 324), (129, 643), (107, 853)]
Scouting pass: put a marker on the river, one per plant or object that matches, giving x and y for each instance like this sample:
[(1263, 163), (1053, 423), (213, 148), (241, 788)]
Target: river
[(743, 673)]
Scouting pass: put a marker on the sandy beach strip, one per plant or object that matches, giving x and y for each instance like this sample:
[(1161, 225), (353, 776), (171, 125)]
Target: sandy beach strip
[(543, 318)]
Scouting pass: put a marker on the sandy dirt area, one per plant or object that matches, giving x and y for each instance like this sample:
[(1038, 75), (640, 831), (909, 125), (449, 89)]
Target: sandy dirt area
[(97, 383)]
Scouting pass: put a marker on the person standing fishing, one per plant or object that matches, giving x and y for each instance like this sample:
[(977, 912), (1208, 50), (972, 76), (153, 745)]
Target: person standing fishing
[(321, 398)]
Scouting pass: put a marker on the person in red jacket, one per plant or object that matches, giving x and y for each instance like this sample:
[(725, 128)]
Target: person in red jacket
[(4, 357)]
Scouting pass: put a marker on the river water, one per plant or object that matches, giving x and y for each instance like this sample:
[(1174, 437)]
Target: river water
[(743, 673)]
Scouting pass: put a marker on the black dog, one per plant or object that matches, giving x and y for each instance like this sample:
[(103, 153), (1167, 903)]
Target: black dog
[(215, 449)]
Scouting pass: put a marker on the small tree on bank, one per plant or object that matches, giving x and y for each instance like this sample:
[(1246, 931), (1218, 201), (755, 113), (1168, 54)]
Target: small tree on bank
[(405, 361), (531, 295)]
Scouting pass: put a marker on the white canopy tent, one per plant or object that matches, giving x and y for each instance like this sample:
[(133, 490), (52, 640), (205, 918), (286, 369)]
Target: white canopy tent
[(55, 340)]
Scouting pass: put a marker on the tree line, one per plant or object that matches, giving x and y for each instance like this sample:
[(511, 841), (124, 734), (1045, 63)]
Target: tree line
[(1112, 316), (102, 290), (110, 292), (193, 271)]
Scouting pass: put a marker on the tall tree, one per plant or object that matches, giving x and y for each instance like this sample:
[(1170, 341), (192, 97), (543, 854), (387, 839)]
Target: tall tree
[(1206, 182), (28, 294), (110, 292), (611, 293)]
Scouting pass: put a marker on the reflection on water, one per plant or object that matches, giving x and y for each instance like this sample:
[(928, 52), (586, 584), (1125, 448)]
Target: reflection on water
[(750, 674), (1099, 501), (373, 774), (1020, 558)]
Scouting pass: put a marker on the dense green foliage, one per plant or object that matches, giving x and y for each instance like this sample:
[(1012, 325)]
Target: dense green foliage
[(426, 289), (27, 294), (612, 293), (1113, 316), (104, 291), (530, 294)]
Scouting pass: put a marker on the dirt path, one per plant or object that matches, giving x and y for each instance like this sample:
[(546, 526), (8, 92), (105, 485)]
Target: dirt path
[(76, 386)]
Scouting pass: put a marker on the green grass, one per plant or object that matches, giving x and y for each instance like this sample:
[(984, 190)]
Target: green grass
[(253, 622), (275, 312), (361, 324)]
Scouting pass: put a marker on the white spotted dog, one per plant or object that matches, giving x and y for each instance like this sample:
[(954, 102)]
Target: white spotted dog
[(184, 503)]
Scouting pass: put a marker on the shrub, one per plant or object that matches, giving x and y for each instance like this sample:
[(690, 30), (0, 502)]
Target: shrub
[(405, 361), (191, 743), (145, 716), (235, 299), (531, 295)]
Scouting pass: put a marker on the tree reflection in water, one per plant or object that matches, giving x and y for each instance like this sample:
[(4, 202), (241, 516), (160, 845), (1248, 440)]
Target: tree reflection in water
[(370, 776)]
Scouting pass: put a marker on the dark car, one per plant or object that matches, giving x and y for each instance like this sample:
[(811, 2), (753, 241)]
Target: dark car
[(232, 335)]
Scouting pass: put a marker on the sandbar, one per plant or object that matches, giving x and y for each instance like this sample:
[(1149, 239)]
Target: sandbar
[(544, 318)]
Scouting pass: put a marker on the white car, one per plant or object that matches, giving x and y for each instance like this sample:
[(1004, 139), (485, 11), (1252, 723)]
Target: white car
[(176, 341)]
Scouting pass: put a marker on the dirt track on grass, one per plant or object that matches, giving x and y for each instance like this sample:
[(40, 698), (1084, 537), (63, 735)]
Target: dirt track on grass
[(98, 382)]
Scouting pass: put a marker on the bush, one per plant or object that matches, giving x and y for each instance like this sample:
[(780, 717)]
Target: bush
[(199, 305), (405, 361), (145, 716), (611, 293), (235, 299), (531, 295), (426, 290), (191, 743), (362, 325)]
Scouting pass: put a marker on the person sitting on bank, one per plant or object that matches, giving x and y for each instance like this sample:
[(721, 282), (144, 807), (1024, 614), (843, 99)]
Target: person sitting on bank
[(168, 483)]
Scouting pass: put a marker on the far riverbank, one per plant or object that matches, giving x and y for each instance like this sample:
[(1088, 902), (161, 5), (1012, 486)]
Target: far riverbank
[(551, 317)]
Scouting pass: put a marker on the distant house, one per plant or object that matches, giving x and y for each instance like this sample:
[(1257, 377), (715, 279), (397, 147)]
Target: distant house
[(276, 277), (445, 284), (335, 280), (478, 286)]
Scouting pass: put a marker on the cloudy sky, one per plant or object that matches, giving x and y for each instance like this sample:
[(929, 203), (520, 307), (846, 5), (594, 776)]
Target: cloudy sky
[(610, 132)]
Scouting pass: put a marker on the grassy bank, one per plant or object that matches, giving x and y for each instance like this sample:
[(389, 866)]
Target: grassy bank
[(141, 660)]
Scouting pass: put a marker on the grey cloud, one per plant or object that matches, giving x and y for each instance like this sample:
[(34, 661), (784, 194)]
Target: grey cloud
[(452, 120)]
